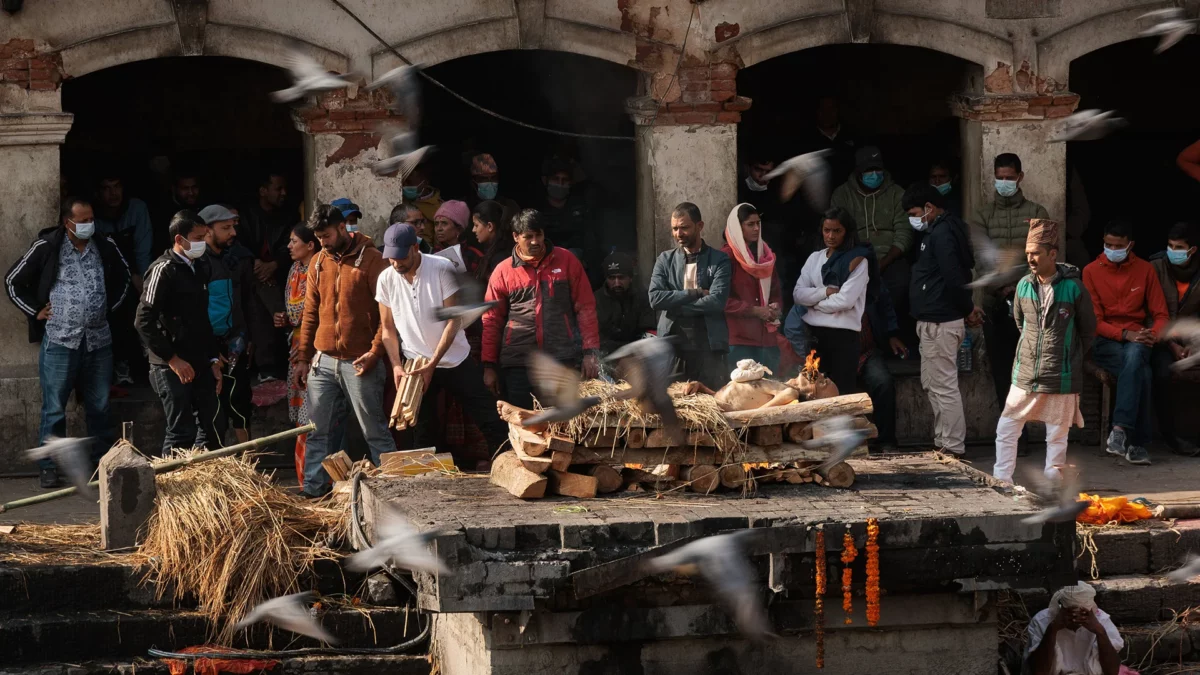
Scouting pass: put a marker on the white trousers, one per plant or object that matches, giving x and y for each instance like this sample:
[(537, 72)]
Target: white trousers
[(1008, 433)]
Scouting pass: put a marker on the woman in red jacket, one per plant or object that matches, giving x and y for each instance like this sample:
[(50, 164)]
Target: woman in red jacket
[(752, 311)]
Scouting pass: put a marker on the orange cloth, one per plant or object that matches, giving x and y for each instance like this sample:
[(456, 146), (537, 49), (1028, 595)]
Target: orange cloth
[(1181, 287), (206, 666), (1189, 160), (1103, 510)]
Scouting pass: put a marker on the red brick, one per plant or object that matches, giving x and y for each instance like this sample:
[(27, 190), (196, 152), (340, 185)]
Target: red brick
[(348, 125), (694, 118), (693, 74), (699, 96), (1059, 111), (1017, 104), (660, 118), (738, 103), (722, 71), (43, 62), (42, 73), (323, 124), (694, 86), (372, 114), (1013, 114), (987, 116), (1041, 100), (312, 113), (722, 95), (341, 114), (1036, 111), (17, 44), (42, 85), (707, 107), (1066, 100), (679, 107), (723, 85), (729, 117), (13, 64), (14, 75)]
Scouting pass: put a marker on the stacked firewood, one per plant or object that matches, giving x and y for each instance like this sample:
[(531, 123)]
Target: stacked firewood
[(408, 396)]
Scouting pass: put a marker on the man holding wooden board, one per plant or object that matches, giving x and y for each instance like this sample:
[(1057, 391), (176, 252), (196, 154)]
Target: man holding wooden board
[(408, 292)]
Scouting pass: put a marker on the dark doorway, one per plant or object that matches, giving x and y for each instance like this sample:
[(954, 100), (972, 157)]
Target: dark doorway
[(1132, 173)]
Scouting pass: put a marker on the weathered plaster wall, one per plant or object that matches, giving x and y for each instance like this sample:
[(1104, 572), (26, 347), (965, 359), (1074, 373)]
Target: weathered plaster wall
[(1045, 164), (352, 176)]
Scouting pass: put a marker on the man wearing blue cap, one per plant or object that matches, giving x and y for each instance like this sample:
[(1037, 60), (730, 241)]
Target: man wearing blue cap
[(350, 212), (409, 291)]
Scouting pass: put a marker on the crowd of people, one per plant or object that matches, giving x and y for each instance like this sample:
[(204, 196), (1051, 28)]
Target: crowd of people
[(246, 301)]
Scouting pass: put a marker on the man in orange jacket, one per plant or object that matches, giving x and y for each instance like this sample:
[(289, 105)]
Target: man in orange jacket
[(1131, 312)]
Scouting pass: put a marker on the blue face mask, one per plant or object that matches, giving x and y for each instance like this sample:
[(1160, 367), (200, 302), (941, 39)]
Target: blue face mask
[(1006, 188), (872, 179), (1116, 255), (411, 192), (351, 228), (487, 190), (1178, 257), (944, 188)]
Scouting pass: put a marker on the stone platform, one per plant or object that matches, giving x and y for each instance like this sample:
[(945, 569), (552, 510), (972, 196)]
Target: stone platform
[(557, 585)]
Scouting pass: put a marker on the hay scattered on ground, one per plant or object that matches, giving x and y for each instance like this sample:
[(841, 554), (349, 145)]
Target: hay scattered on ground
[(698, 412), (225, 535), (31, 544)]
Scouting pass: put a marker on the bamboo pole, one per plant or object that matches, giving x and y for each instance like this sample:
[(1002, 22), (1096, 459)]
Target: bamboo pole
[(171, 465)]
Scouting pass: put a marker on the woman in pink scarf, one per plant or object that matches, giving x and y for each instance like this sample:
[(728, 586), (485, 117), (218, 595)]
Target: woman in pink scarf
[(752, 311)]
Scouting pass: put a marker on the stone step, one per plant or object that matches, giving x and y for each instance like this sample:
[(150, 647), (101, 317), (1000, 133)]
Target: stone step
[(1138, 548), (1131, 599), (105, 634), (1158, 644), (417, 664)]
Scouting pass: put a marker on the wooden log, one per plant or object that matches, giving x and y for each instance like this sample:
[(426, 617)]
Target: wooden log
[(508, 473), (822, 427), (560, 461), (650, 481), (635, 437), (601, 438), (559, 443), (531, 443), (732, 476), (807, 411), (771, 434), (659, 438), (798, 432), (572, 484), (702, 478), (534, 464), (514, 415), (337, 465), (607, 478), (780, 454), (840, 475)]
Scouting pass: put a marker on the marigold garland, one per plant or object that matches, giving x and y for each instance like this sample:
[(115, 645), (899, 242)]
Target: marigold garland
[(872, 571), (820, 601), (849, 553)]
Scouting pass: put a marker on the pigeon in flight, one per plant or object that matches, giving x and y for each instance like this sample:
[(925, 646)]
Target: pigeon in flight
[(647, 365), (72, 456), (842, 439), (810, 170), (559, 385), (1005, 266), (400, 544), (1190, 568), (309, 77), (1087, 125), (471, 304), (1170, 25), (722, 561), (405, 150), (1185, 331), (1066, 496), (291, 613)]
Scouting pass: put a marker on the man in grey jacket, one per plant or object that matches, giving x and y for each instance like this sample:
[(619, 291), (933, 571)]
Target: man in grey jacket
[(689, 286)]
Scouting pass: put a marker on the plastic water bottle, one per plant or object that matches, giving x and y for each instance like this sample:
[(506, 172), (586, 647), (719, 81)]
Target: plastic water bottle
[(965, 361)]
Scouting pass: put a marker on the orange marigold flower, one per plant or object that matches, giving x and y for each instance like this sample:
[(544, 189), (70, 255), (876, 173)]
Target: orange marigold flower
[(849, 553), (819, 604), (872, 571)]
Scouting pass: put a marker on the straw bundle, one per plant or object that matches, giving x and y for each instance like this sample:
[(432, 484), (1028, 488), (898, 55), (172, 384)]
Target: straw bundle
[(33, 544), (698, 412), (224, 534)]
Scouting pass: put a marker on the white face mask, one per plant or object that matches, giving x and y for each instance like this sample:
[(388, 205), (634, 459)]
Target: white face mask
[(195, 249), (85, 230), (918, 223), (754, 185)]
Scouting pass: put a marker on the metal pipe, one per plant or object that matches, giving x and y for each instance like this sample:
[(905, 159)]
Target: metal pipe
[(171, 465)]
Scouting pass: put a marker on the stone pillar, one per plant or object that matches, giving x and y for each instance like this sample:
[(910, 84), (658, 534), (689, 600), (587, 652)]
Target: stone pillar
[(127, 493), (686, 150), (344, 136)]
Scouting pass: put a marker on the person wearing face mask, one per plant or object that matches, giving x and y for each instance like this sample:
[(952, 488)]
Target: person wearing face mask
[(564, 209), (68, 284), (942, 305), (485, 184), (1178, 270), (1131, 312), (941, 176), (350, 212), (449, 228), (622, 305), (419, 193), (173, 322)]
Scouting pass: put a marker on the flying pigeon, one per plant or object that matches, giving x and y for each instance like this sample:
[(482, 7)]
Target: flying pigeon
[(647, 365), (842, 439), (1087, 125), (559, 385), (810, 170), (72, 456), (404, 155), (1190, 568), (406, 151), (289, 612), (470, 305), (1170, 25), (309, 77), (722, 561), (1005, 266), (1065, 494), (400, 544), (1185, 331)]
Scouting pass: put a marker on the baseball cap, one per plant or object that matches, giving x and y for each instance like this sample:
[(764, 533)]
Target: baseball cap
[(618, 263), (346, 206), (868, 157), (398, 240), (215, 213)]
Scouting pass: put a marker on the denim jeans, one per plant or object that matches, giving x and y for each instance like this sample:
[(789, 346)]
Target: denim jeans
[(877, 380), (332, 384), (184, 404), (61, 370), (1129, 362)]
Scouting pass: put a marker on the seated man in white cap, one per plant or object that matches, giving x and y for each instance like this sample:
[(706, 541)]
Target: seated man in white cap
[(1074, 637)]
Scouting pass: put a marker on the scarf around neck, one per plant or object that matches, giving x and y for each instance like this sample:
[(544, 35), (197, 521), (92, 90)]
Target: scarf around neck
[(760, 266)]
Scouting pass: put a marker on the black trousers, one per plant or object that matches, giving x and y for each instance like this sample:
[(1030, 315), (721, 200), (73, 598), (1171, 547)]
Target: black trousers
[(702, 364), (881, 387), (184, 404), (516, 386), (465, 383), (838, 349), (1000, 336), (234, 402)]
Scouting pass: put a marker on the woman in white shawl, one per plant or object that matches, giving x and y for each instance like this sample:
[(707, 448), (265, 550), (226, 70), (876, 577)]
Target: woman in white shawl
[(752, 310)]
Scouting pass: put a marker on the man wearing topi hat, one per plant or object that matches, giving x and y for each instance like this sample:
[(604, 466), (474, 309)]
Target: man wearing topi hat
[(1053, 311), (1073, 635)]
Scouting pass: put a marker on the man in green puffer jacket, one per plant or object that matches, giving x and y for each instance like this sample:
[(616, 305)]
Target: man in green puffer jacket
[(1054, 312), (1006, 221), (873, 199)]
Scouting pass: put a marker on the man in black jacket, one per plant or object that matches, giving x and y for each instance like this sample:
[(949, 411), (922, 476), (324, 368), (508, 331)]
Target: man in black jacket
[(622, 306), (172, 320), (941, 303), (68, 284)]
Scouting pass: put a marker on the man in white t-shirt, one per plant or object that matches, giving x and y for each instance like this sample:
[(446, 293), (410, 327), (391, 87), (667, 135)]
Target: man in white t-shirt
[(408, 292)]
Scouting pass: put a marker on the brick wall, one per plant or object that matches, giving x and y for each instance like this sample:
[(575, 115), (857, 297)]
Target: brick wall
[(336, 113), (22, 65), (1014, 106), (708, 95)]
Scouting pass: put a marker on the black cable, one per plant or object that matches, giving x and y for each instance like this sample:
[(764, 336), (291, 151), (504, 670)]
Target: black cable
[(476, 106)]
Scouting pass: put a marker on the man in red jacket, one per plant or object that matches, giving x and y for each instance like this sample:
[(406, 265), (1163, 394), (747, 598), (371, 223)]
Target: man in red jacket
[(1131, 313), (545, 303)]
